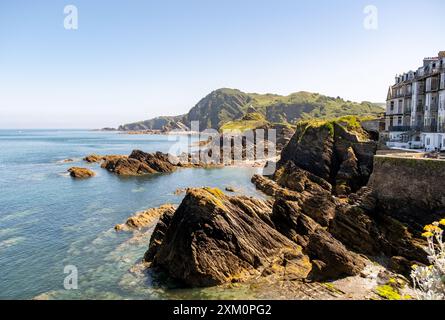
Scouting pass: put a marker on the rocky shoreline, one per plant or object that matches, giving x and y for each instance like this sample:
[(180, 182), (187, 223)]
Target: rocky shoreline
[(325, 218), (321, 223)]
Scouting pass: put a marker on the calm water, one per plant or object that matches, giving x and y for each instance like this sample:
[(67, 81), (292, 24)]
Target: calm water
[(49, 221)]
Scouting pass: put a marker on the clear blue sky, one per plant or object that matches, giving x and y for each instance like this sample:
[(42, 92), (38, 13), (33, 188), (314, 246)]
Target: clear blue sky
[(133, 60)]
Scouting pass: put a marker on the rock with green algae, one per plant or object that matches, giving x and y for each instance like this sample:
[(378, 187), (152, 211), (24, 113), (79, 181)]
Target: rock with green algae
[(213, 239), (339, 151)]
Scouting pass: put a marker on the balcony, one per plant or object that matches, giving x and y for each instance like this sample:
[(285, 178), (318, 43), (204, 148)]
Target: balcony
[(413, 128), (434, 86), (430, 128), (417, 128), (434, 107), (393, 113), (399, 128), (430, 72), (421, 89), (420, 108)]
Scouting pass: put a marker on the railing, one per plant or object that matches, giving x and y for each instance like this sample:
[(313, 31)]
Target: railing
[(434, 107), (399, 128), (393, 113), (434, 86), (429, 72), (430, 128), (416, 128)]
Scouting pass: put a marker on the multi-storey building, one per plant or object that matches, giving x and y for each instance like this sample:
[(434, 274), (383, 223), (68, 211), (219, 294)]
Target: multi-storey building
[(415, 108)]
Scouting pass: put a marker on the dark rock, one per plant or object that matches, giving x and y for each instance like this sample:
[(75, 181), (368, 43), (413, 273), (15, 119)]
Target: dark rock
[(311, 149), (158, 235), (329, 257), (125, 166), (212, 239), (138, 163), (337, 260), (341, 155), (158, 161), (366, 231)]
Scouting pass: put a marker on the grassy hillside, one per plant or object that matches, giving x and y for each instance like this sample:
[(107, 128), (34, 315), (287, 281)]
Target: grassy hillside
[(232, 109)]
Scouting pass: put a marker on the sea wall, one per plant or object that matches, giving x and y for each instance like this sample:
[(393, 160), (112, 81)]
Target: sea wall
[(411, 190)]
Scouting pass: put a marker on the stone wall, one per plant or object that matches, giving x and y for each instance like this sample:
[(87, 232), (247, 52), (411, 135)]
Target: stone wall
[(410, 190)]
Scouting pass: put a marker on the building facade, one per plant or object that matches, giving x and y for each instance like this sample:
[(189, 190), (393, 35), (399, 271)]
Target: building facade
[(415, 107)]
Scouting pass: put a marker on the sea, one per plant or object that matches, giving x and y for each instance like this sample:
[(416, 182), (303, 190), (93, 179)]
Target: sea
[(57, 237)]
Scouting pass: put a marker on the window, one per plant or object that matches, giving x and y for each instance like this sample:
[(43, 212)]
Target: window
[(428, 141)]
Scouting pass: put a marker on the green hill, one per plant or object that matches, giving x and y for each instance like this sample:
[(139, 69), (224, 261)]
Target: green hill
[(234, 109)]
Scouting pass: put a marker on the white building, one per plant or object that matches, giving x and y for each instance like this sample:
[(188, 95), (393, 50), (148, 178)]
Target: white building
[(415, 108)]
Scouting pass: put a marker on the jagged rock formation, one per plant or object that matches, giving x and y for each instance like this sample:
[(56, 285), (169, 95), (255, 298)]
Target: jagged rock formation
[(95, 158), (139, 163), (145, 218), (340, 152), (81, 173), (213, 239)]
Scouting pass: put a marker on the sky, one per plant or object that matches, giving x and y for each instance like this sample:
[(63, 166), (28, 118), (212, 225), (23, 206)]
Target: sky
[(133, 60)]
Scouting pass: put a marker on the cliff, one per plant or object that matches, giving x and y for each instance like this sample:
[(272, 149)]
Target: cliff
[(223, 106), (339, 151)]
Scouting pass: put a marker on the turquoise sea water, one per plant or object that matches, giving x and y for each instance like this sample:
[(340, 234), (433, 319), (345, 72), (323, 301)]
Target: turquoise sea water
[(49, 221)]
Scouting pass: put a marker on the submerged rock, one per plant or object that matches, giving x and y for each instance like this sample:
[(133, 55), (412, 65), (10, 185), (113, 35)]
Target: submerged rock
[(145, 218), (81, 173), (213, 239), (93, 158)]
